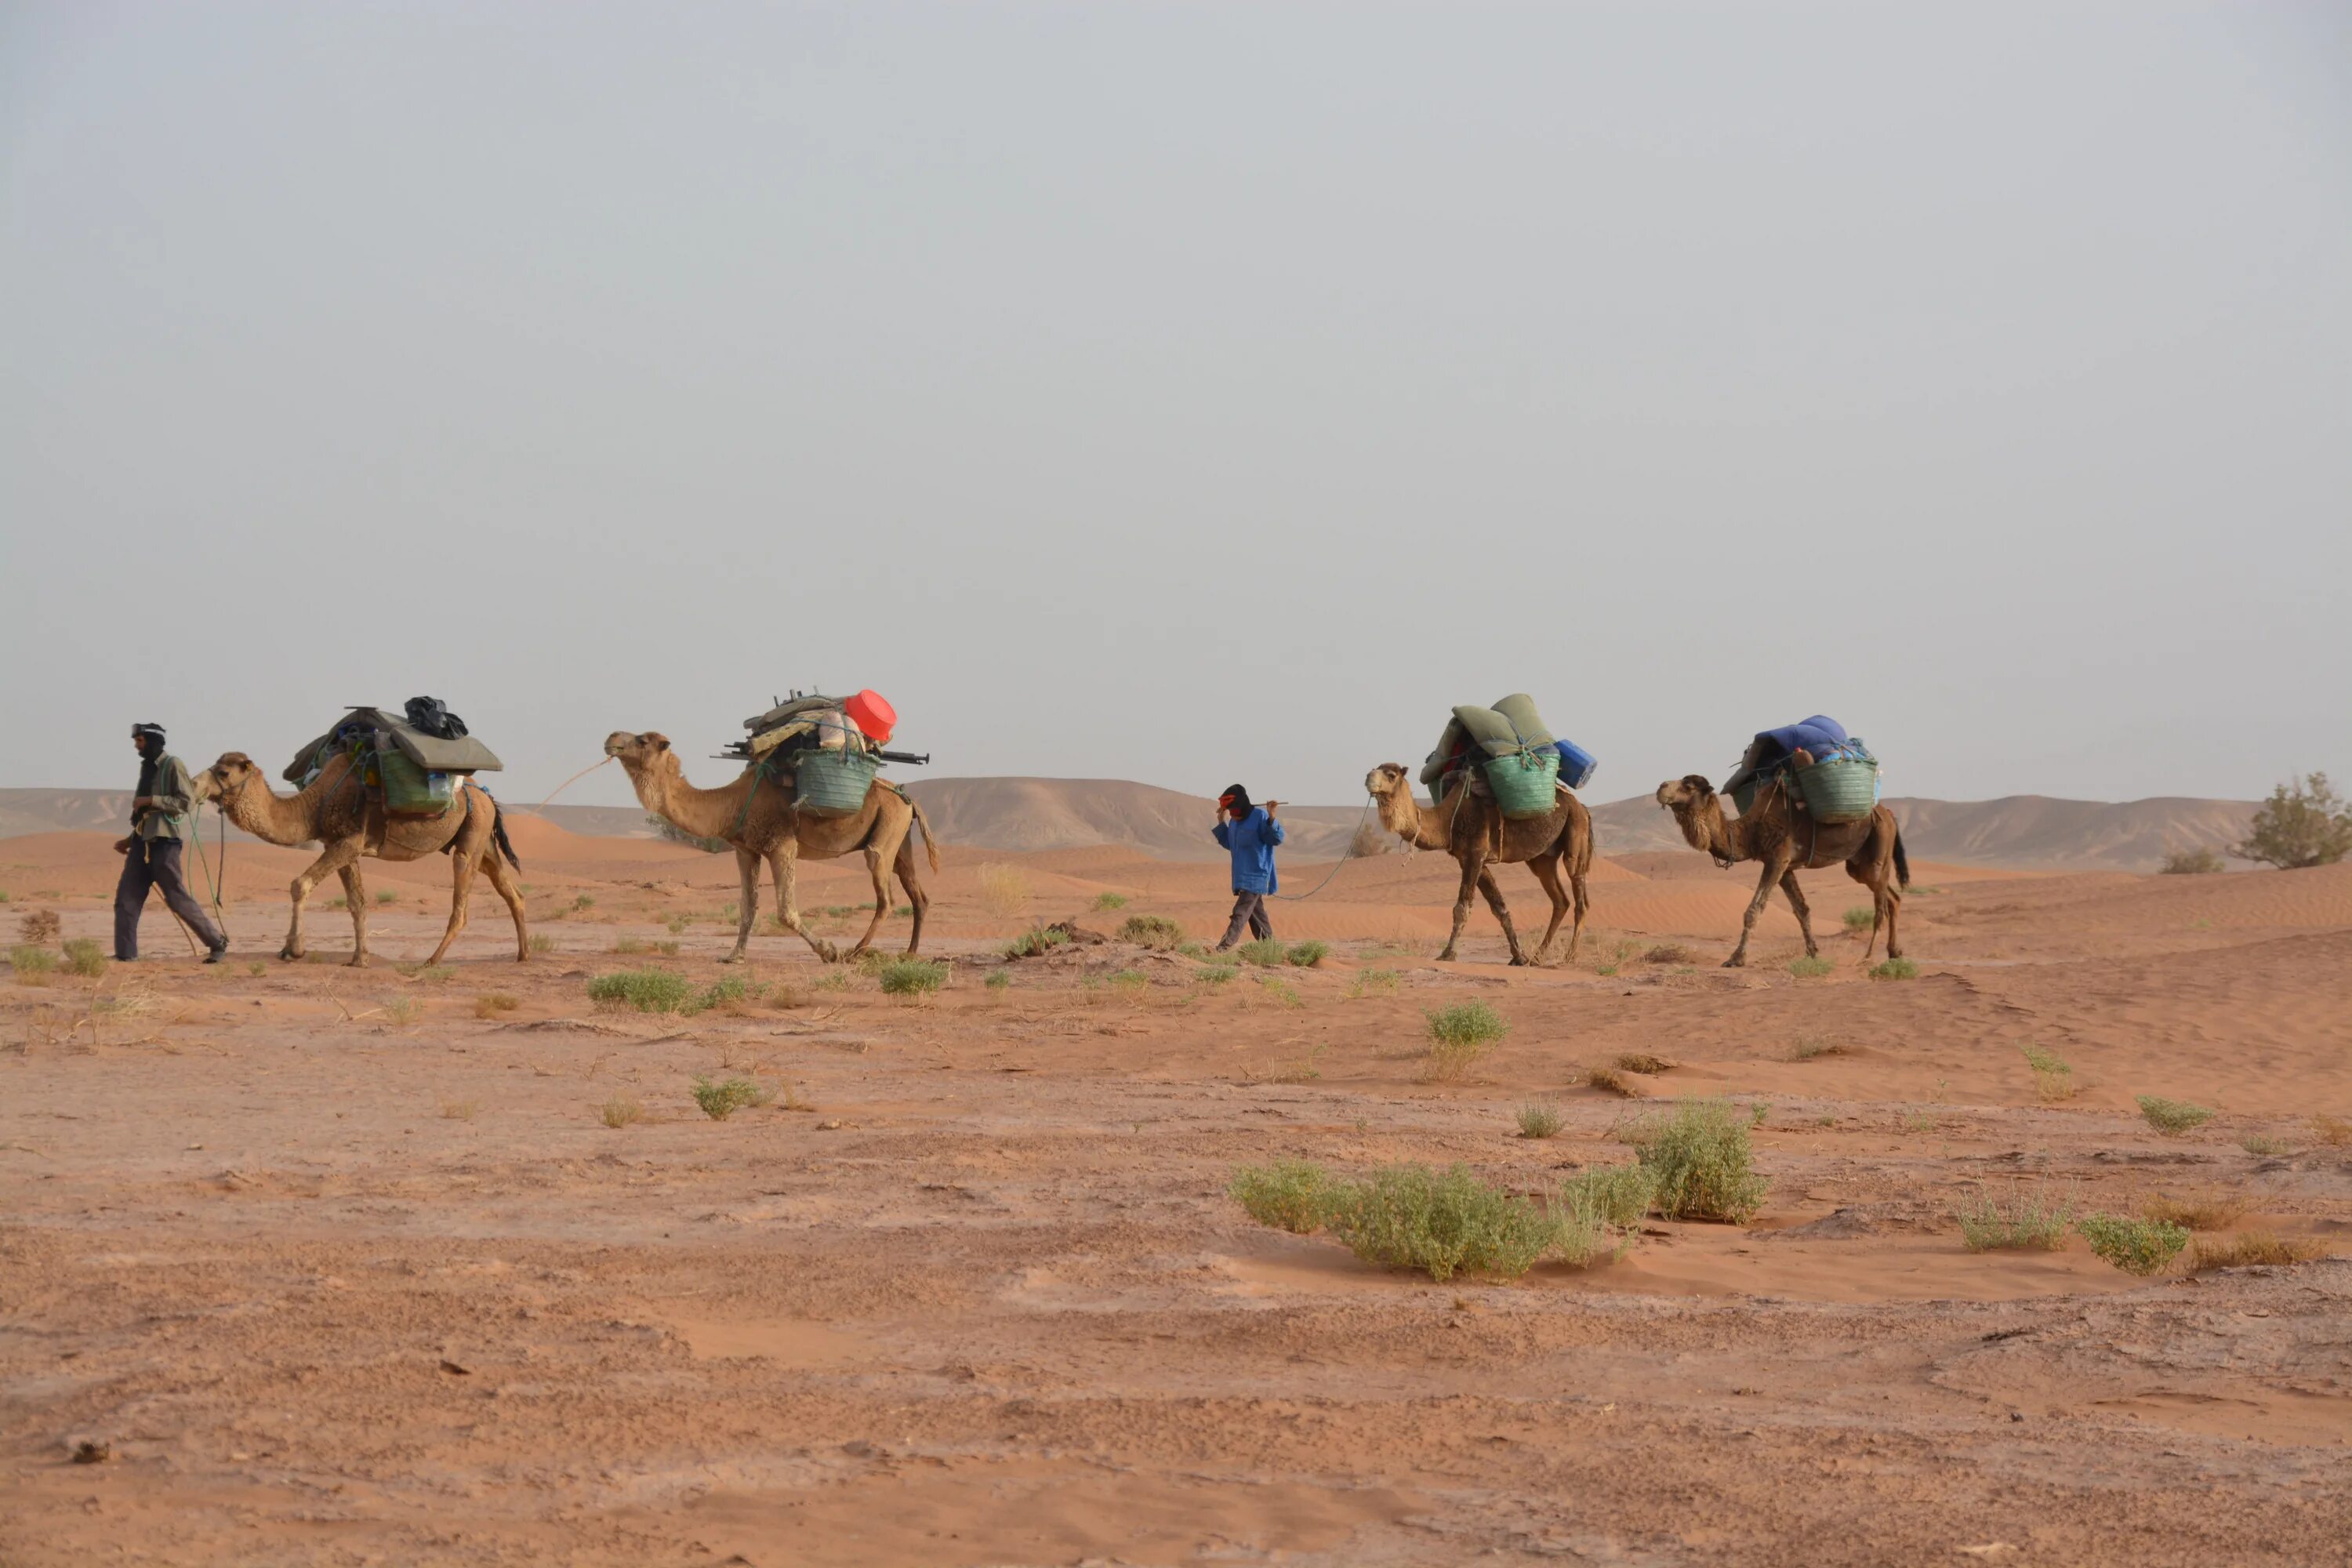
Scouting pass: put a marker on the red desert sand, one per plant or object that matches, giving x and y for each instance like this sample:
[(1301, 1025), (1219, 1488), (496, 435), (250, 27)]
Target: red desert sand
[(303, 1264)]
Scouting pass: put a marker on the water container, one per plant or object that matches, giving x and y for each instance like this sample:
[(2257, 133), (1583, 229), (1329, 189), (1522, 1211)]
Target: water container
[(1576, 765), (872, 714)]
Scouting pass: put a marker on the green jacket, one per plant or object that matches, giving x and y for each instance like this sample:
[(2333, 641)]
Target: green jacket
[(176, 797)]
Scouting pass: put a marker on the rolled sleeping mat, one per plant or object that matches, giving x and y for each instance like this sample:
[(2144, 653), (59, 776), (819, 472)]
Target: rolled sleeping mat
[(1493, 734), (1518, 709)]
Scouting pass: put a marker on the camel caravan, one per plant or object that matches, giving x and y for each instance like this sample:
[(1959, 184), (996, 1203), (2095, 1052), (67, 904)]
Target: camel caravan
[(1502, 791)]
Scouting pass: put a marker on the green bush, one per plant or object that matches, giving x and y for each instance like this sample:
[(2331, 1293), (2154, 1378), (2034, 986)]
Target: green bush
[(1217, 973), (722, 1100), (1110, 900), (718, 995), (1859, 917), (2133, 1245), (85, 957), (1265, 953), (29, 959), (2032, 1219), (1459, 1035), (2300, 825), (1617, 1194), (1157, 932), (2053, 1075), (646, 990), (1700, 1159), (1385, 981), (913, 976), (1538, 1119), (1036, 943), (543, 944), (1895, 969), (1131, 982), (1441, 1223), (997, 980), (1287, 1195), (1307, 955), (2198, 862), (2172, 1115), (387, 897), (1809, 968)]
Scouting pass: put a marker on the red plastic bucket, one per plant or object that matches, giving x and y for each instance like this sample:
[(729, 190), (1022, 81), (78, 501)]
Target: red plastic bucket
[(872, 715)]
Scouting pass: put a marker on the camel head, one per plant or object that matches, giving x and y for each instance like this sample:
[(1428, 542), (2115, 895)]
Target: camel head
[(639, 754), (1698, 812), (1386, 780), (226, 779), (1390, 788)]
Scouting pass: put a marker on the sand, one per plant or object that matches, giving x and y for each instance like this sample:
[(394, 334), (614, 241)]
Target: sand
[(339, 1284)]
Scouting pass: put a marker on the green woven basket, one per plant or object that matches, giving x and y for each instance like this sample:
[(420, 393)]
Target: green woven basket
[(1843, 789), (831, 784), (1523, 783), (411, 791)]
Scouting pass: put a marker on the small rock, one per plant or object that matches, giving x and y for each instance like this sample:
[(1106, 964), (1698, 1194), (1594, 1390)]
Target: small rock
[(89, 1451), (454, 1370)]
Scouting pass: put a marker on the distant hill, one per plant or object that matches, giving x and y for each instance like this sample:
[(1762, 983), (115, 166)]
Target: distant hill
[(2022, 832)]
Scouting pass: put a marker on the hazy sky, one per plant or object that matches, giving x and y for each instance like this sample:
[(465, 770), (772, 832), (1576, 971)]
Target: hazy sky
[(1185, 393)]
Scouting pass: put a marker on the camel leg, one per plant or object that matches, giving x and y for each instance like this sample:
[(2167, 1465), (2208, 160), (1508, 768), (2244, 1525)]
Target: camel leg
[(1804, 911), (355, 899), (1773, 872), (1583, 901), (1472, 858), (1494, 892), (784, 861), (747, 866), (917, 900), (495, 869), (1546, 870), (342, 852), (463, 861), (881, 851)]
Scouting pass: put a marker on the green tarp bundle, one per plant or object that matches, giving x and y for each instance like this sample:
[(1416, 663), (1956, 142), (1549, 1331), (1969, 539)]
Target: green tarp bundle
[(1512, 745)]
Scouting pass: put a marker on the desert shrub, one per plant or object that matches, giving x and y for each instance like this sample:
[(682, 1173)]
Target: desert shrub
[(628, 944), (722, 1100), (387, 896), (584, 901), (460, 1110), (1459, 1035), (2300, 825), (2263, 1145), (831, 980), (1003, 890), (1036, 943), (3, 895), (729, 993), (1700, 1159), (1110, 900), (1616, 1194), (32, 964), (620, 1111), (2029, 1219), (1440, 1223), (1670, 952), (1895, 969), (85, 958), (1538, 1119), (913, 976), (2255, 1247), (1278, 992), (1216, 974), (1307, 954), (1809, 968), (2133, 1245), (2198, 862), (1609, 1080), (1157, 932), (1265, 953), (39, 927), (1130, 983), (2209, 1210), (1643, 1062), (1287, 1195), (257, 967), (1858, 918), (401, 1010), (2172, 1115), (997, 980), (1367, 980), (430, 974), (646, 990), (1811, 1048), (490, 1004), (2053, 1076), (2332, 1130), (1368, 839), (543, 944)]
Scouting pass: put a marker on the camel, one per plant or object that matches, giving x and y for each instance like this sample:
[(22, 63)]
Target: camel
[(756, 818), (1769, 831), (334, 810), (1469, 828)]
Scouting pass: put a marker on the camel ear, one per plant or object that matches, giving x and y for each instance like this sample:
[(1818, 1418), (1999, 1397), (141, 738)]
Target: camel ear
[(656, 739), (1697, 782)]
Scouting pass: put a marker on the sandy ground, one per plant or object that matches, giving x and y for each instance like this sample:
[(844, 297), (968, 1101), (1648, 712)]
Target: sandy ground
[(342, 1272)]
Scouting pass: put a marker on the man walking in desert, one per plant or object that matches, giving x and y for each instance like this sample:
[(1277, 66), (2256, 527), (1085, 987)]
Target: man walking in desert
[(159, 821), (1250, 833)]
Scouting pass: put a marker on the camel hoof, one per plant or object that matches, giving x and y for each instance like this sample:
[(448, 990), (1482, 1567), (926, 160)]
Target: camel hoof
[(1736, 961), (358, 963), (1446, 957), (734, 957)]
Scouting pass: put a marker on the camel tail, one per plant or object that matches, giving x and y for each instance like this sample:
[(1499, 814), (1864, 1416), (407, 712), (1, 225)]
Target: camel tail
[(506, 845), (1902, 862), (931, 845)]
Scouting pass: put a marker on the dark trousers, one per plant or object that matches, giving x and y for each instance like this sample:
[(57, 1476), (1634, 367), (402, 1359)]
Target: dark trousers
[(155, 863), (1249, 909)]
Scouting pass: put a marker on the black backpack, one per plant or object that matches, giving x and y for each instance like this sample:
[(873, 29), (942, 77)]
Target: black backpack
[(432, 716)]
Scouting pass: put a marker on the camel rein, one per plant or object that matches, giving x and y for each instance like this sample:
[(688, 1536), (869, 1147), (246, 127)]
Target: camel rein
[(1300, 898)]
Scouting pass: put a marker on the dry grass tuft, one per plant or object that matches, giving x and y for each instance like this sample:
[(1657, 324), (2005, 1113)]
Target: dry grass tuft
[(1639, 1062), (2211, 1209), (2253, 1247), (2053, 1076), (2028, 1220), (1609, 1081), (2332, 1130), (491, 1004), (1670, 952), (620, 1111), (1538, 1119), (1813, 1048), (460, 1110), (39, 927), (1810, 967)]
